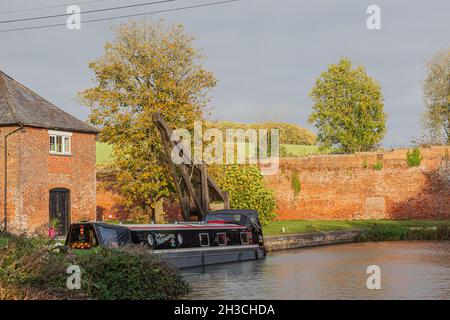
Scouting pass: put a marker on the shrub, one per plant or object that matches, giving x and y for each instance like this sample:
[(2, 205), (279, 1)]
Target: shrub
[(414, 158), (443, 232), (379, 232), (377, 166), (246, 189), (32, 268), (130, 274)]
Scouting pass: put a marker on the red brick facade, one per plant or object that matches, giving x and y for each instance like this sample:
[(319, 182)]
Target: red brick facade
[(33, 172)]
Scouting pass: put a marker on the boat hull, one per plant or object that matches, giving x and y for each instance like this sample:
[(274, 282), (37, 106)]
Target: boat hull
[(199, 257)]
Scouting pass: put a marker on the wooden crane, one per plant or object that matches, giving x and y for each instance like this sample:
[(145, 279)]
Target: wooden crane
[(195, 188)]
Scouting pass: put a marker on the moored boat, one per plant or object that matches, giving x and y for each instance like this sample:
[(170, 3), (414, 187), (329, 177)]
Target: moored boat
[(224, 236)]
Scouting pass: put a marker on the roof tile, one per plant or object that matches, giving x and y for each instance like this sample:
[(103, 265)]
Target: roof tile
[(18, 104)]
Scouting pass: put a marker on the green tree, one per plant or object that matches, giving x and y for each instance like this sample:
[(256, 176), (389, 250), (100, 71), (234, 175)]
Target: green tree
[(147, 68), (436, 94), (246, 189), (348, 109)]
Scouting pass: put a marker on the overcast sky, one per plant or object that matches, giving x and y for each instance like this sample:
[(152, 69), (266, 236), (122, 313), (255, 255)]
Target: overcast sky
[(266, 54)]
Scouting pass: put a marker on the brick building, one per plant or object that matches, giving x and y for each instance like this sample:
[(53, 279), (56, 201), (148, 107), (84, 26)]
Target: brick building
[(47, 162)]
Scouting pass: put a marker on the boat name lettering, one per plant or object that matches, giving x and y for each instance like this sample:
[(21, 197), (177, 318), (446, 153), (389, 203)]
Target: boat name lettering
[(161, 237)]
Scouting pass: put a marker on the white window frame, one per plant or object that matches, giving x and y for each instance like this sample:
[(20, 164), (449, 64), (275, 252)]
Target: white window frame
[(63, 135), (218, 239), (200, 238), (247, 237)]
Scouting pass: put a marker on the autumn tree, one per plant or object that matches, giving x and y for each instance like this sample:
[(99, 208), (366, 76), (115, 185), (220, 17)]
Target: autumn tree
[(348, 109), (147, 68), (436, 94)]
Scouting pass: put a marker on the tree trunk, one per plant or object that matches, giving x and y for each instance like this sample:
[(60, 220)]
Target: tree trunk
[(151, 214)]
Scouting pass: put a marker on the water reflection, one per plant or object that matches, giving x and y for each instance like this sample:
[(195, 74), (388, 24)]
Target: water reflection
[(409, 270)]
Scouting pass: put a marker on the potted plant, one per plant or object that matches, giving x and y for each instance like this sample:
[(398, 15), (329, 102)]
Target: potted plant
[(52, 229)]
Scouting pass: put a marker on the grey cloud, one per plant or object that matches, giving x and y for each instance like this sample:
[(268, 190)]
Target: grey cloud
[(265, 53)]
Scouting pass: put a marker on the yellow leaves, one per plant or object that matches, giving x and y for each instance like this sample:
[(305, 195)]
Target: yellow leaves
[(147, 68)]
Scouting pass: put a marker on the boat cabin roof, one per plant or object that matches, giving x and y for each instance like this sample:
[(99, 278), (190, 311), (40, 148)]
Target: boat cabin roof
[(172, 226), (182, 226)]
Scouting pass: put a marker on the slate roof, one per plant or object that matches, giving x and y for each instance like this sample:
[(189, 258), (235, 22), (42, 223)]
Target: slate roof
[(20, 105)]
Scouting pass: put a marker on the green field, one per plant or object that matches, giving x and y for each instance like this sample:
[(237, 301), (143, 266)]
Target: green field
[(293, 150), (305, 226), (103, 154), (297, 150)]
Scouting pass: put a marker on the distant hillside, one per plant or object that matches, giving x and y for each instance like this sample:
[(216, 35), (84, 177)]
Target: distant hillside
[(295, 141), (289, 133)]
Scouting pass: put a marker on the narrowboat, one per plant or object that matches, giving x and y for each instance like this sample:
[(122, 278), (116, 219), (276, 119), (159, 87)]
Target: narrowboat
[(223, 236)]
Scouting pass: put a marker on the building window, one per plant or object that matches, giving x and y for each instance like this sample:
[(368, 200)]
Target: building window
[(60, 142)]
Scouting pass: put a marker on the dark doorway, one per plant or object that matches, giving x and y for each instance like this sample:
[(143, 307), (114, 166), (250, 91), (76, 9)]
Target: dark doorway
[(59, 209)]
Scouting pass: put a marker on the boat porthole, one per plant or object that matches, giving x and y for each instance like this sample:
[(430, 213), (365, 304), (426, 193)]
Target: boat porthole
[(180, 239), (150, 240)]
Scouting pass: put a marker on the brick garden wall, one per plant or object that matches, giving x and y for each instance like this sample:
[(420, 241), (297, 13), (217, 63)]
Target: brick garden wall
[(340, 187), (110, 202), (344, 187), (33, 172)]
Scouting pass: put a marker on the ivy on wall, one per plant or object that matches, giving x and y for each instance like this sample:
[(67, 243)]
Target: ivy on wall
[(413, 158), (296, 183)]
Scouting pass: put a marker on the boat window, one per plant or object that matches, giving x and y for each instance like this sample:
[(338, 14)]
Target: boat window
[(222, 238), (82, 237), (244, 238), (110, 238), (227, 218), (204, 239)]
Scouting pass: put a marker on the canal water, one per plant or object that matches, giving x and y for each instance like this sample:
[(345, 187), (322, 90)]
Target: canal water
[(409, 270)]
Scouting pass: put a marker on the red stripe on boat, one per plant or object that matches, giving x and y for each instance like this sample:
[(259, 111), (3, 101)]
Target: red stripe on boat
[(186, 227), (216, 221)]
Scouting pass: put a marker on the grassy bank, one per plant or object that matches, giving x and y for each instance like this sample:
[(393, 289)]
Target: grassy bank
[(33, 268), (372, 230)]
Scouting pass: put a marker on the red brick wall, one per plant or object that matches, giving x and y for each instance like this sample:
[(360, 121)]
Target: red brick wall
[(338, 187), (110, 204), (13, 204), (34, 172)]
